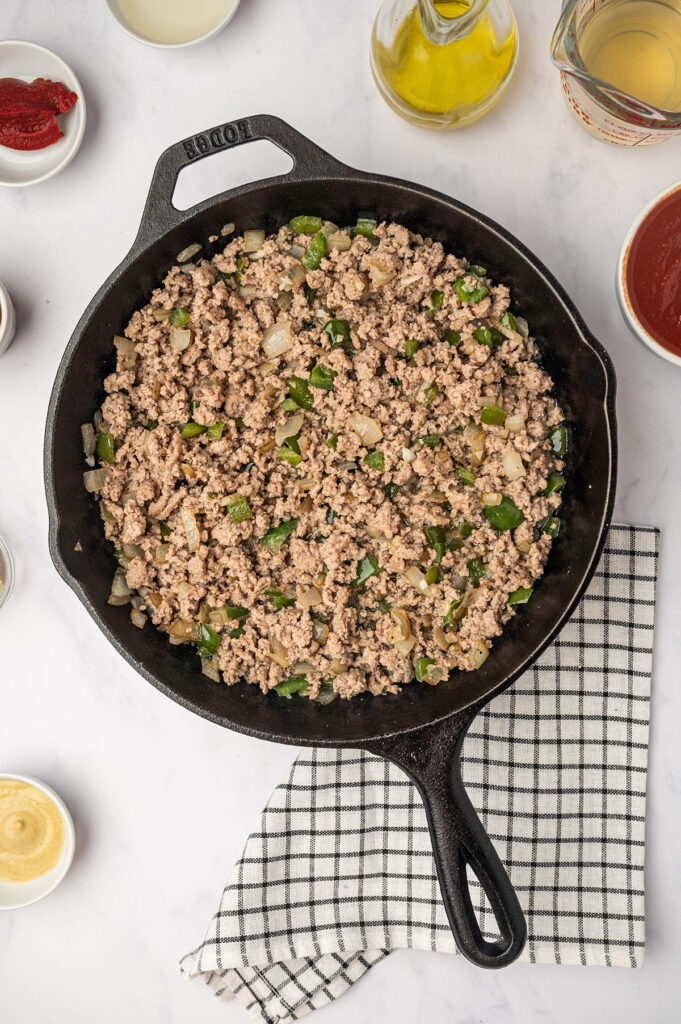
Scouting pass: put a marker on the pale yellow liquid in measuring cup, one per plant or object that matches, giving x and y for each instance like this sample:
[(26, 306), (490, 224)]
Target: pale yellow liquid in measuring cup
[(636, 46), (436, 79), (173, 21)]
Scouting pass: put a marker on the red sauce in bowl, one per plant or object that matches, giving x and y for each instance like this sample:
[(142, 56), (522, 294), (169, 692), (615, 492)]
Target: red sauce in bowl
[(653, 273)]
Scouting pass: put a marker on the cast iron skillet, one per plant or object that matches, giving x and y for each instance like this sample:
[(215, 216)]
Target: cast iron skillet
[(422, 729)]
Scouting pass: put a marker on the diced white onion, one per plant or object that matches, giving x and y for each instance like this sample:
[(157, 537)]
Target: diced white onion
[(306, 483), (162, 314), (478, 653), (367, 428), (185, 630), (408, 455), (301, 668), (337, 667), (310, 598), (278, 652), (442, 639), (289, 428), (478, 449), (320, 632), (436, 496), (515, 423), (418, 580), (412, 279), (248, 291), (186, 254), (523, 326), (277, 339), (94, 479), (180, 339), (210, 669), (265, 369), (376, 534), (329, 228), (126, 348), (380, 273), (338, 241), (190, 528), (105, 512), (253, 240), (227, 229), (292, 277), (137, 618), (297, 250), (523, 546), (345, 467), (491, 498), (513, 466), (89, 439), (119, 586)]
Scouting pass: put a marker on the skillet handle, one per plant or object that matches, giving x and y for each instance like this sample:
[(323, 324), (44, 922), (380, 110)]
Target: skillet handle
[(432, 758), (309, 161)]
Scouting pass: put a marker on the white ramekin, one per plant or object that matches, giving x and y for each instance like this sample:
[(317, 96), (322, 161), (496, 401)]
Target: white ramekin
[(623, 291), (7, 319), (7, 574), (18, 168), (14, 895), (123, 23)]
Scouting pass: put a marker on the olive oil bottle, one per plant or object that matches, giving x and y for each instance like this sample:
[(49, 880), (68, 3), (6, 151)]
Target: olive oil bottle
[(443, 63)]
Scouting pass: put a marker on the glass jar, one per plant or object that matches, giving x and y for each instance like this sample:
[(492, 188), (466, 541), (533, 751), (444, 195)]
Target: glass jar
[(443, 63)]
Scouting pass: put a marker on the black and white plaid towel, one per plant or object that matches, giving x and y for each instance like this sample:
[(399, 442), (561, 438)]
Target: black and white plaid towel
[(341, 871)]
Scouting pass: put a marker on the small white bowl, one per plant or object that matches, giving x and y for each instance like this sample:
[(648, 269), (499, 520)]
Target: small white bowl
[(20, 59), (122, 22), (14, 895), (622, 290), (7, 319), (7, 572)]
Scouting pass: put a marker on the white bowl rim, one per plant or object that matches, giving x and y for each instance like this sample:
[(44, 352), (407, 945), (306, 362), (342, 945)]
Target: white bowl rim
[(622, 291), (119, 18), (82, 114), (5, 319), (8, 560), (68, 849)]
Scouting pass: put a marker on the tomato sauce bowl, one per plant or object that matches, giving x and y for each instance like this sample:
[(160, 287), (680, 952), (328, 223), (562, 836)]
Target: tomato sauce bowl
[(649, 275), (28, 61)]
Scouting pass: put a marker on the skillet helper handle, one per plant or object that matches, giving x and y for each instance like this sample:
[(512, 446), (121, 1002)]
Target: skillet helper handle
[(432, 758), (309, 161)]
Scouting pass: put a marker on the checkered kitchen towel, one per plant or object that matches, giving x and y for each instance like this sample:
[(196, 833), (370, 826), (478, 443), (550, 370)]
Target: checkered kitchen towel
[(341, 870)]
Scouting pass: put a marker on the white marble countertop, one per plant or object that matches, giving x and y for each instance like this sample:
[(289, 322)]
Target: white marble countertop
[(155, 846)]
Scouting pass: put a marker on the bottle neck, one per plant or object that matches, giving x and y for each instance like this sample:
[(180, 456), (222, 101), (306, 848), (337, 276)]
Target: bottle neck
[(441, 26)]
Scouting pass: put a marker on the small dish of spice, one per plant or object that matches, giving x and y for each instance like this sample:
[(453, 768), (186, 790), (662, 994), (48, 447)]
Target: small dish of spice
[(6, 572), (42, 113), (37, 840), (649, 275)]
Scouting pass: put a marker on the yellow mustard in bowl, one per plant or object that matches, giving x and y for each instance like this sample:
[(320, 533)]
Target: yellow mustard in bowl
[(31, 832)]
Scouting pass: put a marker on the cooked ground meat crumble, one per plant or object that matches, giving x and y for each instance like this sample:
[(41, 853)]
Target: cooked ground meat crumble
[(332, 473)]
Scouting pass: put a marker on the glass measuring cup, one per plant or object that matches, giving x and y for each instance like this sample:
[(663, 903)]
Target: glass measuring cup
[(443, 63), (608, 113)]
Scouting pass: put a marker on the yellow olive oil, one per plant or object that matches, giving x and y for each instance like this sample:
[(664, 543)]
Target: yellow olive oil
[(635, 45), (452, 82)]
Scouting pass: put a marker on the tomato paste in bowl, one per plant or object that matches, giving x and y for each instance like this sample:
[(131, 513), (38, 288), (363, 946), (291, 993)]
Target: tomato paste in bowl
[(28, 112), (649, 275)]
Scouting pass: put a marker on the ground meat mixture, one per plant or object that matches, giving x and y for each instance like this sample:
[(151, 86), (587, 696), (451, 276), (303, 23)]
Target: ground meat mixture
[(328, 458)]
